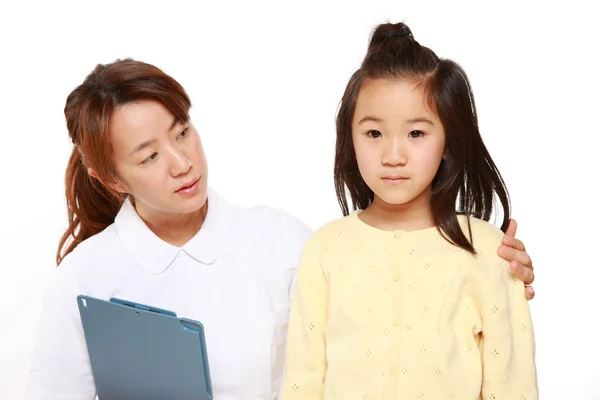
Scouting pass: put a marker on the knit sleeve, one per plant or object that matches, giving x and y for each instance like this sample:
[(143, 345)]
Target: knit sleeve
[(305, 356), (507, 346)]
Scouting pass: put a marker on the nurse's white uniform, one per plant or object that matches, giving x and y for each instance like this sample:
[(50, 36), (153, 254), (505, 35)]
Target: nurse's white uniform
[(234, 276)]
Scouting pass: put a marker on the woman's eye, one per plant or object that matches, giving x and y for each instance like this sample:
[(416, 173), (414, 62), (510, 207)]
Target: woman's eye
[(150, 159), (182, 134), (416, 134), (374, 134)]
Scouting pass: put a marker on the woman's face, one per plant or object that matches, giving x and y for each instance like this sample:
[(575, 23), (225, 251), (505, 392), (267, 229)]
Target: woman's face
[(159, 160)]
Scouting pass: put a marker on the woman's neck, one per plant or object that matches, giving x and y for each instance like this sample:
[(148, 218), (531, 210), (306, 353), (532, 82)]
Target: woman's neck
[(175, 229)]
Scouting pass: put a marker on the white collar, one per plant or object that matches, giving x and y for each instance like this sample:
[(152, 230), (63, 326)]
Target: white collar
[(155, 255)]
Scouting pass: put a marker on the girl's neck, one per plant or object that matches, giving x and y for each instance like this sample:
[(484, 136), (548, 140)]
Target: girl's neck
[(175, 229), (412, 216)]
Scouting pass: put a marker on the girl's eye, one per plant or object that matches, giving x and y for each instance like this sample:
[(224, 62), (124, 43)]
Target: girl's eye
[(416, 134), (150, 159), (182, 134), (374, 134)]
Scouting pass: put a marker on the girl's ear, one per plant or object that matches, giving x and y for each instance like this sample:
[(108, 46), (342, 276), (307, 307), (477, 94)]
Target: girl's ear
[(446, 154)]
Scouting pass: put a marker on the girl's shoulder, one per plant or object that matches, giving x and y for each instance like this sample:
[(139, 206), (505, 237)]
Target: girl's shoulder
[(486, 236), (338, 231)]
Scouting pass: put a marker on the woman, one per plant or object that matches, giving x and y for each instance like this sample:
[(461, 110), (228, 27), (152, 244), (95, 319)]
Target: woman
[(145, 226)]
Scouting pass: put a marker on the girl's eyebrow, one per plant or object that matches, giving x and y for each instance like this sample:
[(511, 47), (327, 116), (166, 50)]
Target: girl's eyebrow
[(419, 119), (371, 118)]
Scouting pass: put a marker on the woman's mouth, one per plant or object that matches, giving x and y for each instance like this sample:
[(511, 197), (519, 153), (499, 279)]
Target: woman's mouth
[(189, 187)]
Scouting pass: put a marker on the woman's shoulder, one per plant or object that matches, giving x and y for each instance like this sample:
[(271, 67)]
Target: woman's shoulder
[(92, 251), (270, 230), (271, 220), (89, 262)]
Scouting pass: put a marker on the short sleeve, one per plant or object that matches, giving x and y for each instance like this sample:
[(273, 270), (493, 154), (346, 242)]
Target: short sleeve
[(285, 244), (60, 366)]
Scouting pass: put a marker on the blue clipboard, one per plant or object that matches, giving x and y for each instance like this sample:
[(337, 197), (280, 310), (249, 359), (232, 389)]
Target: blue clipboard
[(142, 352)]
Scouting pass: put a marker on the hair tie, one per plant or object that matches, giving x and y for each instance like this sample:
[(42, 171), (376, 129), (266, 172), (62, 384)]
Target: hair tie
[(402, 32)]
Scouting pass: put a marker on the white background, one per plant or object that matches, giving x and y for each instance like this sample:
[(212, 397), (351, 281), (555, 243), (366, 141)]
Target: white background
[(265, 81)]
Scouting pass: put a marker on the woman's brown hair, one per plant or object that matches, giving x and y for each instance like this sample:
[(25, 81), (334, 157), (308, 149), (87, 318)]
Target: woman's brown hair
[(468, 173), (91, 205)]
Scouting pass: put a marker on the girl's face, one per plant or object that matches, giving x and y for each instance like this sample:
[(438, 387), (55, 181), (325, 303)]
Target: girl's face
[(158, 159), (399, 141)]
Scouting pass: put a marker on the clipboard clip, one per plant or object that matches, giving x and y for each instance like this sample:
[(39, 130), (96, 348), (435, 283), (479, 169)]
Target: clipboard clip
[(142, 307)]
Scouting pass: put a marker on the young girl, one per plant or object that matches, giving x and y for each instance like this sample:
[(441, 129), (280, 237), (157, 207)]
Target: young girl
[(406, 297)]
